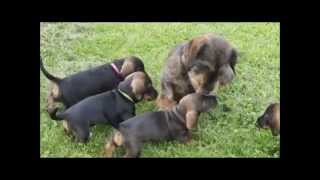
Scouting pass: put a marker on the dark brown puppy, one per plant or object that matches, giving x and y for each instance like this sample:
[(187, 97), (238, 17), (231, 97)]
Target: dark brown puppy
[(199, 65), (76, 87), (173, 124), (270, 119), (111, 107)]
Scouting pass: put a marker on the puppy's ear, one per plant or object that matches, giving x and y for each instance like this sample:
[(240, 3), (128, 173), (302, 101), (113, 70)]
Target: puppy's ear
[(193, 50), (127, 67), (191, 119), (138, 87)]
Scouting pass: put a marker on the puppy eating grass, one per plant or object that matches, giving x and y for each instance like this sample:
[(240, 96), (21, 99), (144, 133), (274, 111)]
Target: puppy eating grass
[(270, 119)]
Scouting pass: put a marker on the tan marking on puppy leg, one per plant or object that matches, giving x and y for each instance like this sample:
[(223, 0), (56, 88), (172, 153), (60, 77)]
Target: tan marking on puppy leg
[(197, 81), (216, 88), (191, 119), (189, 138), (50, 102), (164, 103), (52, 97), (189, 141), (66, 127), (55, 90), (118, 139), (109, 148)]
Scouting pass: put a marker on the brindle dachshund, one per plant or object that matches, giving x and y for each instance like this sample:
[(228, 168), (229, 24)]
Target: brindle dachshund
[(109, 107), (74, 88), (270, 119), (199, 65), (174, 124)]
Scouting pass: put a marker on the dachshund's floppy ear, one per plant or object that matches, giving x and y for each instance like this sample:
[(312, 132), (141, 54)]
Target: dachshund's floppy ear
[(138, 87), (191, 119), (127, 67), (193, 49)]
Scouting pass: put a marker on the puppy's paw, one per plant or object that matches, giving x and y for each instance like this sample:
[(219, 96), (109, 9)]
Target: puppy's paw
[(188, 141), (108, 149)]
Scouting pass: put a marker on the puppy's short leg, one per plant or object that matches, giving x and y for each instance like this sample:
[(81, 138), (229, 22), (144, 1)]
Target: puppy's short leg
[(54, 94), (116, 141), (109, 148), (50, 104), (66, 128), (82, 132), (216, 87), (166, 98), (185, 137), (165, 103), (132, 148)]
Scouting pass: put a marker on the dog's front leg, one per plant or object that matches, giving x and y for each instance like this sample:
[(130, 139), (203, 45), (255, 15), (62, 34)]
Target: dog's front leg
[(186, 138), (166, 97)]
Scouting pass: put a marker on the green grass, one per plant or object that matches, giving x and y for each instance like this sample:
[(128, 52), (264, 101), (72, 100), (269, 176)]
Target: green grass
[(70, 47)]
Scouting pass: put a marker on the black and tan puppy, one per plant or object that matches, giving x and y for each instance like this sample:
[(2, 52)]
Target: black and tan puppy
[(74, 88), (109, 107), (199, 65), (173, 124), (270, 119)]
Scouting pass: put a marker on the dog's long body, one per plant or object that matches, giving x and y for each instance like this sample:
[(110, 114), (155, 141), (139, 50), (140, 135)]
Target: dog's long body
[(87, 83), (109, 107), (106, 108), (174, 124), (74, 88)]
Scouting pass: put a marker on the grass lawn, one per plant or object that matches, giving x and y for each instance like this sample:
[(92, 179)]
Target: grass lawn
[(67, 48)]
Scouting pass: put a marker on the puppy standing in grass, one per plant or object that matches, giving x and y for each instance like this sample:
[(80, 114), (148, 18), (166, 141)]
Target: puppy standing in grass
[(74, 88), (174, 124), (270, 119), (200, 65), (109, 107)]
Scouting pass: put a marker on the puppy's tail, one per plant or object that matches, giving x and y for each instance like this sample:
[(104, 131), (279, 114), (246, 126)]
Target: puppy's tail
[(56, 115), (47, 74)]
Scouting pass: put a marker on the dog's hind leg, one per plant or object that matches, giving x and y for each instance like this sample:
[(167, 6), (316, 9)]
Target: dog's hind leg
[(133, 148), (81, 131), (52, 98), (66, 128), (116, 141)]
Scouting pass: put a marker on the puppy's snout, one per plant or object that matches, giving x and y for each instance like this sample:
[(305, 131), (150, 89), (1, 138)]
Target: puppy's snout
[(258, 124), (154, 93), (261, 123), (209, 102), (151, 94)]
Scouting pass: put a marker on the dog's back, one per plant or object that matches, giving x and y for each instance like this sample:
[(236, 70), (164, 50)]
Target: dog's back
[(87, 83)]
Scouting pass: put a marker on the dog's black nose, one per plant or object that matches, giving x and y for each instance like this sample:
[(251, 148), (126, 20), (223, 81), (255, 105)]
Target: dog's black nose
[(257, 123)]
